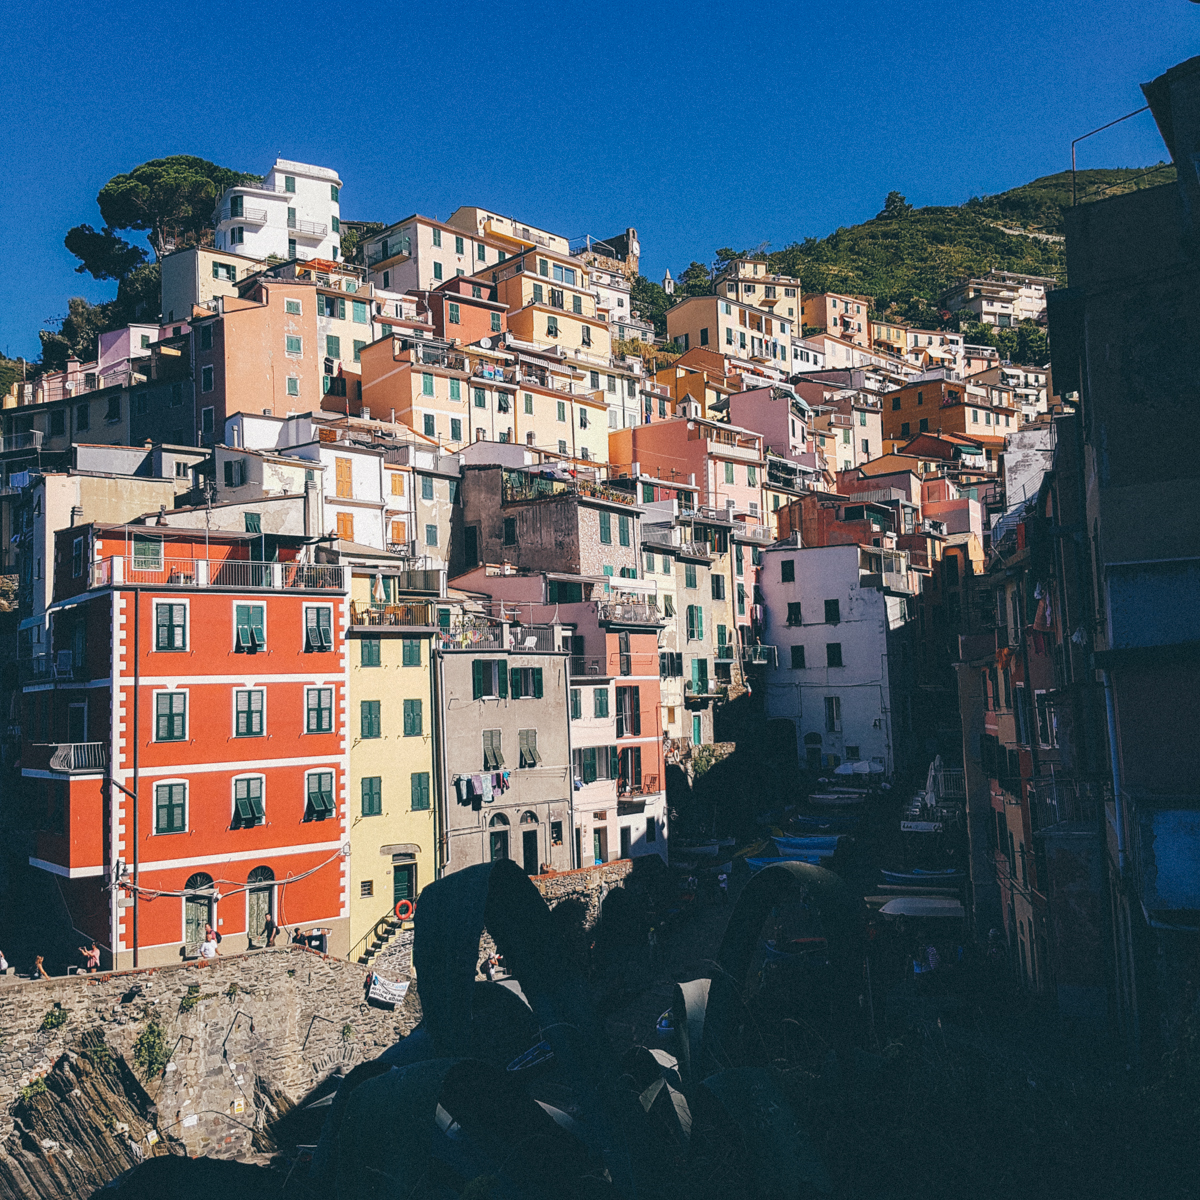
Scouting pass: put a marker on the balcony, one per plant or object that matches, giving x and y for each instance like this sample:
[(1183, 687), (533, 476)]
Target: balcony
[(237, 574), (72, 757), (313, 229), (582, 666), (252, 216), (1068, 801), (404, 613), (753, 533), (29, 440), (886, 581), (519, 486), (49, 668), (725, 652), (760, 656), (629, 613)]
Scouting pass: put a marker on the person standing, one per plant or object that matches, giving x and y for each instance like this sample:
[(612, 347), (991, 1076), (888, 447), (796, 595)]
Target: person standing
[(91, 958), (270, 929)]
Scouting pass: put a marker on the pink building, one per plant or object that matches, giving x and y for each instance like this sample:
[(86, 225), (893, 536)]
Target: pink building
[(780, 416), (724, 461)]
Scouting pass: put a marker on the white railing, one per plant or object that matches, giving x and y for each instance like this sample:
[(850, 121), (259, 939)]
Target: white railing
[(220, 573), (79, 756)]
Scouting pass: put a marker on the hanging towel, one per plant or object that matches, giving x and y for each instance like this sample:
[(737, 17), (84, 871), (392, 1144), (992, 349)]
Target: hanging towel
[(463, 785), (487, 789), (477, 784)]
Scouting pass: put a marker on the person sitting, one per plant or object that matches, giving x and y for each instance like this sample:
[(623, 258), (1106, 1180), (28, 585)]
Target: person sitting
[(208, 947)]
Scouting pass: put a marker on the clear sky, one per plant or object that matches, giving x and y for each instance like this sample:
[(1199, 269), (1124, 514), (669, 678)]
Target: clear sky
[(700, 124)]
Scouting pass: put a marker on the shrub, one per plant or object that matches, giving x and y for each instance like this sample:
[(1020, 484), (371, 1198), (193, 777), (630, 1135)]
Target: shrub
[(150, 1050), (54, 1019)]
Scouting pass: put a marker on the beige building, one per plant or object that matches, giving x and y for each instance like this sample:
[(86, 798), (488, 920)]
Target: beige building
[(419, 253), (731, 327), (198, 275), (845, 317), (750, 281)]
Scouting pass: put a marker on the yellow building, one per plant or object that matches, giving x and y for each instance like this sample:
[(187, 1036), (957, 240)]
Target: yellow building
[(392, 758)]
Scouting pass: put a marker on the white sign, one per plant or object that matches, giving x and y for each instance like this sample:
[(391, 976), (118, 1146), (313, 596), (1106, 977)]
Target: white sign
[(387, 991), (151, 1137), (239, 1106), (188, 1122)]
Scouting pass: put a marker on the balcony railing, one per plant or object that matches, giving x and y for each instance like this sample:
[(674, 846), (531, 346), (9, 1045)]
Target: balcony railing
[(471, 635), (78, 756), (725, 652), (755, 533), (1059, 801), (252, 216), (517, 486), (629, 613), (30, 440), (307, 228), (239, 574), (583, 665), (405, 613)]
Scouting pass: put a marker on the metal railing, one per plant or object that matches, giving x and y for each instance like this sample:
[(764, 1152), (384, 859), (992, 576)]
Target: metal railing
[(308, 228), (380, 931), (401, 613), (79, 756), (255, 216), (29, 440), (519, 486), (220, 573), (471, 635), (1078, 801), (755, 533), (635, 612), (725, 652), (584, 665)]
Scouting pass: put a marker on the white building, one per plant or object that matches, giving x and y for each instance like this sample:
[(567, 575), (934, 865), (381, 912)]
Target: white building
[(295, 212), (838, 616)]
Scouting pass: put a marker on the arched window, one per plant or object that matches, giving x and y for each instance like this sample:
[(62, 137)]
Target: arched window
[(198, 882), (529, 817), (260, 875), (498, 838), (197, 908), (498, 819)]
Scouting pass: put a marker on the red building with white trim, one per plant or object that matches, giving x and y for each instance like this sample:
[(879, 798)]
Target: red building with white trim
[(204, 675)]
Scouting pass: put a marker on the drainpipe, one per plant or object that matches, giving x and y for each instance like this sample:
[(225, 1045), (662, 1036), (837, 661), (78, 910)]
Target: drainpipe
[(1110, 712)]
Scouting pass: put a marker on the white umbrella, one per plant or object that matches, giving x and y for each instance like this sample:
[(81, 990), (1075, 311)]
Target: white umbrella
[(377, 588)]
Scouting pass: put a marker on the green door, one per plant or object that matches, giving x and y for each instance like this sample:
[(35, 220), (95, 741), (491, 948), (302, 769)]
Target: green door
[(195, 919), (404, 882)]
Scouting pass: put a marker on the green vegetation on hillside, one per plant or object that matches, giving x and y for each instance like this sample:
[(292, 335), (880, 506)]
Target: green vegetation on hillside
[(904, 258)]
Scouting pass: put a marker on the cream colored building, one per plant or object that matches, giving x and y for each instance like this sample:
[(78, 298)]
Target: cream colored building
[(198, 275)]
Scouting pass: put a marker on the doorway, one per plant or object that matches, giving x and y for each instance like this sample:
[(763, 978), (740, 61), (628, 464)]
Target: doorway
[(498, 837), (626, 841), (529, 852), (599, 846), (197, 909), (259, 902), (77, 722), (404, 882)]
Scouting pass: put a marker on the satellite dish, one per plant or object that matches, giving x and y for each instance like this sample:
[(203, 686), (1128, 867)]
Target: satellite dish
[(486, 343)]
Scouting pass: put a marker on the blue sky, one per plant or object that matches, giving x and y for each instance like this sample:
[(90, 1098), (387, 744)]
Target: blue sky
[(700, 124)]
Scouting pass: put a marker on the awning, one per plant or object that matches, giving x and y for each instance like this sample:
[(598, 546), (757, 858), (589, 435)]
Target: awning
[(923, 906)]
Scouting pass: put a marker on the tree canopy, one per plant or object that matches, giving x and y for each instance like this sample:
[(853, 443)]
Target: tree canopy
[(173, 196)]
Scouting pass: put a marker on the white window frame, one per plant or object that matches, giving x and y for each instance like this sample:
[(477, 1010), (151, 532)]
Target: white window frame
[(332, 631), (187, 624), (318, 687), (329, 770), (247, 687), (293, 312), (233, 801), (187, 806), (187, 714), (233, 623)]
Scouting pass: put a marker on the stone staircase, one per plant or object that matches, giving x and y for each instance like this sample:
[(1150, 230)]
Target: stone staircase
[(380, 937)]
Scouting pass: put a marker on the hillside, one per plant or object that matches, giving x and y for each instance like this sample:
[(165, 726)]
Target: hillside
[(905, 257)]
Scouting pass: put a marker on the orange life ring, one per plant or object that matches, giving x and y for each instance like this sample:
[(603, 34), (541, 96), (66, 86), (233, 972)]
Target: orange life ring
[(407, 915)]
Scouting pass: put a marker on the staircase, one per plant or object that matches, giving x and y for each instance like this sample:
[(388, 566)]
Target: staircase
[(379, 936)]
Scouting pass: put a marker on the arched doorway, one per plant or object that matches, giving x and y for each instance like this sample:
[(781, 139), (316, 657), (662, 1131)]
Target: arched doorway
[(530, 859), (260, 900), (197, 908), (498, 839)]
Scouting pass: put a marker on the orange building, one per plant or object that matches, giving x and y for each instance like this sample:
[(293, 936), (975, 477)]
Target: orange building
[(189, 759), (845, 317), (465, 310), (948, 406)]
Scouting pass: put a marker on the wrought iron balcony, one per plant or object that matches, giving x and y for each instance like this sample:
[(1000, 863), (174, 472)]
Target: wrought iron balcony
[(75, 757), (238, 574)]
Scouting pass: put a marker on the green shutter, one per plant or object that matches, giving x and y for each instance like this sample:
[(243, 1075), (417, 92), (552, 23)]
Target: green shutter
[(537, 683), (699, 623), (502, 672), (515, 684), (589, 764), (606, 528), (614, 762), (477, 679)]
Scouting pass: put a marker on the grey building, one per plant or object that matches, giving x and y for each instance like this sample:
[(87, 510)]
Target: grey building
[(505, 752)]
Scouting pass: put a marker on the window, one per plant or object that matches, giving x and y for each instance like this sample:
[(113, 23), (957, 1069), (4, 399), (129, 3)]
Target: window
[(431, 535), (717, 583), (695, 623), (576, 704), (787, 570), (833, 612), (333, 346), (170, 620), (249, 627), (248, 802), (455, 429), (833, 714), (623, 530), (833, 654), (319, 799), (437, 237), (358, 349), (293, 344), (430, 428), (437, 270), (562, 446), (741, 599), (904, 429), (606, 528), (797, 658), (237, 235), (525, 681), (426, 384), (455, 317), (510, 531), (248, 712), (319, 710), (58, 418), (413, 721), (369, 725), (689, 575), (480, 398), (729, 472), (552, 327), (629, 711), (410, 655), (170, 808), (752, 476), (170, 716), (493, 755), (206, 385), (369, 654), (455, 389), (704, 337), (600, 702), (527, 739), (1045, 720), (293, 385), (489, 677), (495, 322), (372, 796), (318, 628)]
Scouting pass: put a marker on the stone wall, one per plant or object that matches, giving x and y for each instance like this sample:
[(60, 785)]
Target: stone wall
[(589, 884), (273, 1023)]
